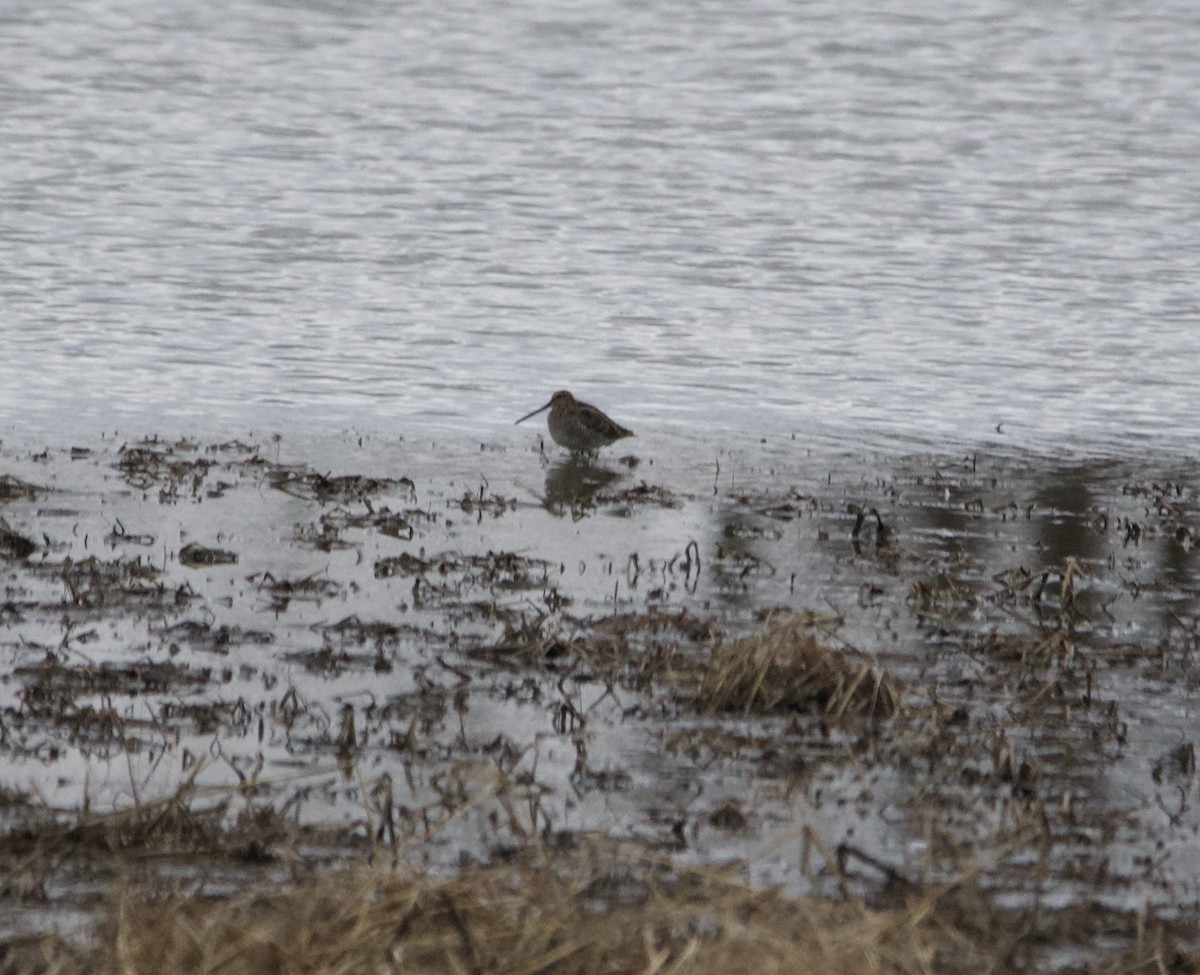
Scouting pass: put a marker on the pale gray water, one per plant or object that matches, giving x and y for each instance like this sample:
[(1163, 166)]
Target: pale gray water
[(840, 220)]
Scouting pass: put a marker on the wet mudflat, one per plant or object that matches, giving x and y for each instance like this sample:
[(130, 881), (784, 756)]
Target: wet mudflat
[(953, 695)]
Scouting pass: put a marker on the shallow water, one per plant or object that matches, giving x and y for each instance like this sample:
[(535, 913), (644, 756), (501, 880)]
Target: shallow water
[(851, 222), (398, 601)]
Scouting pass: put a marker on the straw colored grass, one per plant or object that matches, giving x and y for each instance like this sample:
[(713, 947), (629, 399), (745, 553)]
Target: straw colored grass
[(583, 916), (783, 667)]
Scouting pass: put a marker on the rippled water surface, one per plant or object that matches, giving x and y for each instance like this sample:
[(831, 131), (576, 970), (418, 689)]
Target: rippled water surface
[(845, 220)]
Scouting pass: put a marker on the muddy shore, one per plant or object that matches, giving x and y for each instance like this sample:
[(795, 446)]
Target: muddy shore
[(968, 680)]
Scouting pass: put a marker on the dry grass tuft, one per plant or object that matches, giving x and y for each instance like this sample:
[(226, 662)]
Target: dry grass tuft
[(585, 916), (782, 667)]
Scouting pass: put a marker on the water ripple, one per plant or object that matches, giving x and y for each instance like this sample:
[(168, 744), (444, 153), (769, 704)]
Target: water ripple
[(845, 220)]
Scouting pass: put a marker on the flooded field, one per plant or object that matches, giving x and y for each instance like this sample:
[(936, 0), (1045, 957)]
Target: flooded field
[(861, 683)]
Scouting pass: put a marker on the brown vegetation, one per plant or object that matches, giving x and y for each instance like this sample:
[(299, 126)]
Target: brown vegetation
[(589, 913), (783, 667)]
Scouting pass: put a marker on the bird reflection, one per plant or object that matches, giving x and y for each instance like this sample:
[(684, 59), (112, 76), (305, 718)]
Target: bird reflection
[(573, 484)]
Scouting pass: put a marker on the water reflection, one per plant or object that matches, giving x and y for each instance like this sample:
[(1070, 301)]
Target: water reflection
[(572, 485), (1067, 499), (1049, 604), (869, 528), (1129, 534)]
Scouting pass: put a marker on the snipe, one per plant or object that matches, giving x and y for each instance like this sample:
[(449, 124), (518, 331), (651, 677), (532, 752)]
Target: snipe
[(578, 426)]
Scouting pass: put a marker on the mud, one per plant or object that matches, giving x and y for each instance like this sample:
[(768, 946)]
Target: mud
[(856, 677)]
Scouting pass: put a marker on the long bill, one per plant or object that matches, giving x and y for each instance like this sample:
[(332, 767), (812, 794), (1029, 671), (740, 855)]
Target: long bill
[(534, 413)]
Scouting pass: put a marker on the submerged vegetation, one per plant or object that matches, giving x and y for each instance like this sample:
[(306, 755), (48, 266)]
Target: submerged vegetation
[(260, 717)]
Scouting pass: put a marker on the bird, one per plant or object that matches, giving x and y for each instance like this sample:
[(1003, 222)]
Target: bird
[(578, 426)]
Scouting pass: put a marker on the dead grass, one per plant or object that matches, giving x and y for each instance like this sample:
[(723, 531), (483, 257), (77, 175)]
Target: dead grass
[(596, 909), (783, 667), (583, 914)]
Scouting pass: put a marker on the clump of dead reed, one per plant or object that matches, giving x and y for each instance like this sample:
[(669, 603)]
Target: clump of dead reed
[(783, 667), (581, 914)]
